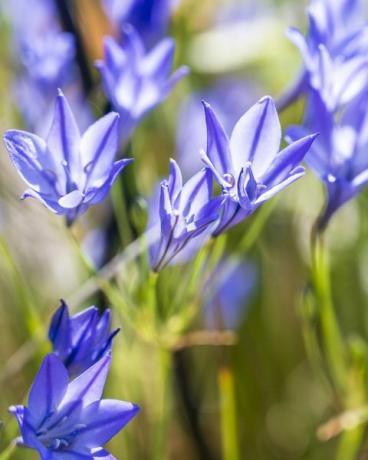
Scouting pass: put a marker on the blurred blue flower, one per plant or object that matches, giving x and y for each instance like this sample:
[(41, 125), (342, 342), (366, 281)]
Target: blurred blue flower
[(180, 215), (68, 420), (227, 293), (229, 97), (67, 172), (48, 58), (81, 340), (45, 55), (339, 155), (335, 50), (95, 246), (248, 166), (136, 81), (150, 17)]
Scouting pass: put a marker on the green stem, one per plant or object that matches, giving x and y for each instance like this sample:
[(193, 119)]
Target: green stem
[(121, 213), (163, 404), (91, 270), (331, 334), (229, 428), (349, 443), (5, 454)]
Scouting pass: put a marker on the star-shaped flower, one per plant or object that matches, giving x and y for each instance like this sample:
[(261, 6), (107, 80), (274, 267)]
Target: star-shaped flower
[(248, 166), (68, 420), (67, 172)]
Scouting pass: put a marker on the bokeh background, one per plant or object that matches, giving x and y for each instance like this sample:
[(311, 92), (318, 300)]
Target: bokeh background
[(237, 52)]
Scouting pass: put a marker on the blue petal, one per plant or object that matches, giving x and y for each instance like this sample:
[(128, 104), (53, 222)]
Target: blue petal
[(232, 213), (104, 419), (63, 140), (296, 174), (88, 387), (99, 146), (48, 389), (28, 153), (48, 202), (196, 193), (29, 436), (256, 137), (218, 149), (95, 196), (175, 182), (59, 331), (71, 200), (158, 62), (287, 160)]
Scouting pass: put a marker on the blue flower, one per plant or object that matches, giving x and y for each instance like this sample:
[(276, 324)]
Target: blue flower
[(335, 50), (150, 17), (339, 155), (48, 58), (136, 81), (227, 293), (248, 166), (81, 340), (68, 420), (67, 172), (181, 217)]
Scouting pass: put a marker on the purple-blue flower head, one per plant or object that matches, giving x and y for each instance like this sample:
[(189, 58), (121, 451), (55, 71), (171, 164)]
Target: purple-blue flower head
[(67, 172), (136, 81), (68, 420), (150, 17), (227, 293), (339, 156), (335, 50), (248, 166), (181, 215), (48, 58), (80, 340)]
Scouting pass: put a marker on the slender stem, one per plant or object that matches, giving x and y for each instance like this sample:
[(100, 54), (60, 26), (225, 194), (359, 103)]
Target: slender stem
[(229, 428), (7, 452), (331, 335), (161, 435), (349, 445), (88, 265), (121, 213)]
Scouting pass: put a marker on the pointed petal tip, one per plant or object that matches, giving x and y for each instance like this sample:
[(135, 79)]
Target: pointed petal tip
[(206, 105), (266, 100), (173, 162), (135, 408)]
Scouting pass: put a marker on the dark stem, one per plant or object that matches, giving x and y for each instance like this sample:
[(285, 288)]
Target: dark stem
[(190, 404), (69, 24)]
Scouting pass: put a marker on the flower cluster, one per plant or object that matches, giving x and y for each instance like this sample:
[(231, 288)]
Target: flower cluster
[(335, 58), (249, 169), (65, 417), (335, 51), (46, 54)]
